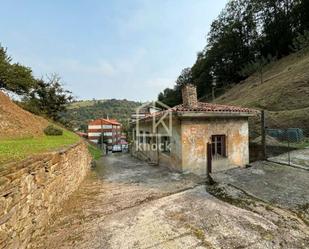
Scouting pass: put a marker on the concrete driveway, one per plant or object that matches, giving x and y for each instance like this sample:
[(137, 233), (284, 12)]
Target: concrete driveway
[(298, 158), (125, 203), (282, 185)]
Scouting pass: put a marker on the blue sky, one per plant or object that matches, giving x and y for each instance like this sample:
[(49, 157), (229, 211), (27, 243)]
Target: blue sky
[(120, 49)]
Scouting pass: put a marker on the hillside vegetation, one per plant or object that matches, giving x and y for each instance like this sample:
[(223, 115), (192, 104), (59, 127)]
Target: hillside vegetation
[(80, 112), (21, 133), (16, 122), (17, 149), (284, 92), (247, 35)]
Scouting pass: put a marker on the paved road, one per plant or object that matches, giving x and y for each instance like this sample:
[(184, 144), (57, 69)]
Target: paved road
[(125, 203)]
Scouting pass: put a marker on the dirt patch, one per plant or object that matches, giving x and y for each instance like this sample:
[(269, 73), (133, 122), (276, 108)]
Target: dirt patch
[(269, 141), (16, 122)]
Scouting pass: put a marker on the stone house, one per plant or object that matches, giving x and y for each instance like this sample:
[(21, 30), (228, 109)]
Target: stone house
[(177, 137)]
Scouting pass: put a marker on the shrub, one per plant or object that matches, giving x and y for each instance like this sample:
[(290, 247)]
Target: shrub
[(53, 131), (301, 42)]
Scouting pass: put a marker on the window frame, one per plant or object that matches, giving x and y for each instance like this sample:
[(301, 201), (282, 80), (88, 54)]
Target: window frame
[(221, 143), (166, 140), (141, 137), (148, 137)]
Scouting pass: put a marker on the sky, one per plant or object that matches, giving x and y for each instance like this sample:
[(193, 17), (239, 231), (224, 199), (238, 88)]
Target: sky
[(103, 49)]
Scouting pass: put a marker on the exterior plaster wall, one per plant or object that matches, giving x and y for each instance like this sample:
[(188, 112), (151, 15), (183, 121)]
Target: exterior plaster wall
[(138, 149), (173, 159), (197, 133)]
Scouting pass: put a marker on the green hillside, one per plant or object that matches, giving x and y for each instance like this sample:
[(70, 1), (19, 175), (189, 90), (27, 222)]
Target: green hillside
[(80, 112), (284, 92)]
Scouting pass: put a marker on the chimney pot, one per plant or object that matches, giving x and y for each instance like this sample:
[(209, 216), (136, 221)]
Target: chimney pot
[(189, 96)]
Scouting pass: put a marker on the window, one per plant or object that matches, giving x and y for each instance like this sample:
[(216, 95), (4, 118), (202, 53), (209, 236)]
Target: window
[(218, 145), (141, 137), (165, 144), (148, 138)]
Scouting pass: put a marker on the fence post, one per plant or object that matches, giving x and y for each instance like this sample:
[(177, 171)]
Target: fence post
[(209, 164), (289, 156), (263, 134)]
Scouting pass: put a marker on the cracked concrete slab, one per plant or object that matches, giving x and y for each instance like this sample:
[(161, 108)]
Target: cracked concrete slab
[(274, 183), (297, 158)]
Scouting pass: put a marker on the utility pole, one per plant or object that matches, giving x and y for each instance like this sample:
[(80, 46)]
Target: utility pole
[(214, 84), (263, 134), (102, 134), (213, 93)]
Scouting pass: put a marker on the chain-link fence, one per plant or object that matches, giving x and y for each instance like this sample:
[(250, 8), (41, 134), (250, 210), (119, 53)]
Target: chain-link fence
[(288, 146), (278, 142)]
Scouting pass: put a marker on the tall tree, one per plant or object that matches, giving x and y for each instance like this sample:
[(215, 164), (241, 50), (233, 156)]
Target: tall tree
[(13, 76), (49, 98), (184, 78), (245, 32)]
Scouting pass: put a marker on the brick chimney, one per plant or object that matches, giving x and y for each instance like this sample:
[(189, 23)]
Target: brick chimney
[(189, 96)]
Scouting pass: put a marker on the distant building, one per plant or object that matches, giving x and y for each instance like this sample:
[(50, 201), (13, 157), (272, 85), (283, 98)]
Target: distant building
[(109, 129)]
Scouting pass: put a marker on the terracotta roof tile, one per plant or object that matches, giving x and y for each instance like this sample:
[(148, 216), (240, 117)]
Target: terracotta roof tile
[(205, 108), (104, 122), (210, 107)]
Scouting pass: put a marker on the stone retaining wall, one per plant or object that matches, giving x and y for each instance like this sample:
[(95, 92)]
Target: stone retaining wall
[(32, 189)]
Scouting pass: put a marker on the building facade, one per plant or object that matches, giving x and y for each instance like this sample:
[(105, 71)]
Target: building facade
[(107, 130), (193, 126)]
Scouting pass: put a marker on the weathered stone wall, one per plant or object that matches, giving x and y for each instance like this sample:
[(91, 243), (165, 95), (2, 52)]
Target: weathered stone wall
[(189, 96), (33, 189)]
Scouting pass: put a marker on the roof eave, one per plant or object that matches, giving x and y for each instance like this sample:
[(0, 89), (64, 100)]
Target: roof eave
[(213, 114)]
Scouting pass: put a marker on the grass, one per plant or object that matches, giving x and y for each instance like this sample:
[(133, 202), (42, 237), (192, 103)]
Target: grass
[(18, 149), (302, 145), (284, 92), (95, 152), (285, 86), (84, 103)]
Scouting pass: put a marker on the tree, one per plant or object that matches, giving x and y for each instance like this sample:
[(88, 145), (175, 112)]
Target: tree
[(49, 98), (13, 76), (257, 66), (301, 42), (184, 78), (244, 34), (170, 97)]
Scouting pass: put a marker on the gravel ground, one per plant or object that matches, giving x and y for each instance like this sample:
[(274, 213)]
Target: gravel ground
[(125, 203)]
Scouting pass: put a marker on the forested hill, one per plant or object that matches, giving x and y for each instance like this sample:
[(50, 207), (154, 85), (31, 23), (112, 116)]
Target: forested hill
[(80, 112), (246, 36)]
